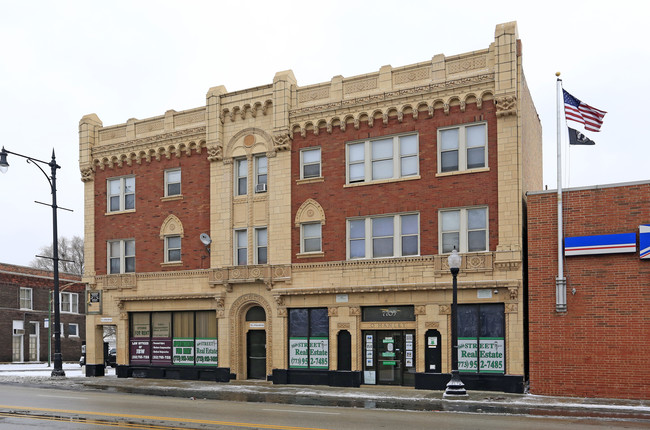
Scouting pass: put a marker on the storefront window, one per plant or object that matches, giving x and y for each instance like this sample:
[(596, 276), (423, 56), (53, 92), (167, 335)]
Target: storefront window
[(179, 338), (481, 338), (308, 338)]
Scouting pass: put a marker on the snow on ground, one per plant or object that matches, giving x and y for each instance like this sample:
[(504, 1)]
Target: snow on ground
[(41, 369)]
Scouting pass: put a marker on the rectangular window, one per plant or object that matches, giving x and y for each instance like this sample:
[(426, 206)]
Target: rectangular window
[(241, 247), (308, 338), (121, 256), (73, 330), (466, 230), (173, 248), (311, 237), (261, 245), (25, 298), (384, 236), (121, 194), (310, 163), (481, 338), (462, 148), (69, 303), (173, 182), (382, 159), (261, 173), (241, 177)]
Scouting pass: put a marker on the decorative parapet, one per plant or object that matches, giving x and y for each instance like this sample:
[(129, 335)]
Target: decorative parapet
[(246, 274)]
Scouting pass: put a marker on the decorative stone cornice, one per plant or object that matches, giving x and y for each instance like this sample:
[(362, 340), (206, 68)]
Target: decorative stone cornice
[(151, 147)]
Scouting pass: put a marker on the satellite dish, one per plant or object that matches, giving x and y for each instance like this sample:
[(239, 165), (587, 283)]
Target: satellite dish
[(205, 239)]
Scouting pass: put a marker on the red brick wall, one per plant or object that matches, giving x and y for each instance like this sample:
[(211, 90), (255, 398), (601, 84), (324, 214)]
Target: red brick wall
[(426, 195), (144, 224), (600, 346)]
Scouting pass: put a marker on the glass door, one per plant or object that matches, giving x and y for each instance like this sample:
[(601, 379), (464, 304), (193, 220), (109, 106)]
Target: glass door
[(256, 350), (390, 346)]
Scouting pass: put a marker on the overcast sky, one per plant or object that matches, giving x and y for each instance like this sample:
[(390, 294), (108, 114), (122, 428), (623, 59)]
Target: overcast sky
[(137, 59)]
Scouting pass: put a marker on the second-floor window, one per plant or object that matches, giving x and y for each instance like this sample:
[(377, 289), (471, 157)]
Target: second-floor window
[(261, 245), (25, 298), (261, 173), (464, 229), (462, 148), (241, 177), (121, 194), (121, 256), (311, 237), (172, 248), (382, 159), (172, 182), (241, 247), (384, 236), (310, 163), (69, 302)]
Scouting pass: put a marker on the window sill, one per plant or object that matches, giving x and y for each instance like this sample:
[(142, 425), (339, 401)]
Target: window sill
[(382, 181), (310, 180), (119, 212), (171, 198), (171, 263), (310, 254), (463, 172)]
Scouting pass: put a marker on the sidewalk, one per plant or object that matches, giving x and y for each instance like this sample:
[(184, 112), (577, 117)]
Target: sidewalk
[(384, 397)]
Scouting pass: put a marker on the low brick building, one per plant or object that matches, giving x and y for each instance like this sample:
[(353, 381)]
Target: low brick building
[(599, 346), (25, 310)]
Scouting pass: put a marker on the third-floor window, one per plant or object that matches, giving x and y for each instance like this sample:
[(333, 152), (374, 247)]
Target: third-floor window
[(462, 147), (172, 182), (121, 194), (384, 158)]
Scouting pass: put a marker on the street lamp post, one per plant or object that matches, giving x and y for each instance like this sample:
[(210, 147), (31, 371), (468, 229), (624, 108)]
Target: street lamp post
[(455, 387), (4, 165)]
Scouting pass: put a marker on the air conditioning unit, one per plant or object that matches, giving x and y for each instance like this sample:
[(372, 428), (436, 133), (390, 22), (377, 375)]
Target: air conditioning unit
[(19, 331), (260, 188)]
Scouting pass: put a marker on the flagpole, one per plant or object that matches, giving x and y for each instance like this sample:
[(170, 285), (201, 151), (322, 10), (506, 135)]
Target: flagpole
[(560, 281)]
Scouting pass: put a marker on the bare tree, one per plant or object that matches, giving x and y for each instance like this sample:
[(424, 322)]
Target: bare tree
[(69, 249)]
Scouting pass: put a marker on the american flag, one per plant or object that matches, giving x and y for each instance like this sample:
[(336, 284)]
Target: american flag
[(578, 111)]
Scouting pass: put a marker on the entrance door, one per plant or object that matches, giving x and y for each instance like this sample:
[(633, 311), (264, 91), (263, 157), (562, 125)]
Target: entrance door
[(256, 347), (389, 357), (33, 341)]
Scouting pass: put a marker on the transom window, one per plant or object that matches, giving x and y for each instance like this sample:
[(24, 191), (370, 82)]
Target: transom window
[(69, 302), (241, 177), (462, 148), (310, 163), (384, 236), (172, 248), (384, 158), (121, 194), (121, 256), (173, 182), (464, 229), (25, 298)]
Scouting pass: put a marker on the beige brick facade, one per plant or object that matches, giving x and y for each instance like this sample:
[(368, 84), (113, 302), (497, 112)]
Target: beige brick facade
[(265, 121)]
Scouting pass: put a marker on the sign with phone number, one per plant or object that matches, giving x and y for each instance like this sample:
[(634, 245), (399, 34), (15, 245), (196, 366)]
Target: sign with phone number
[(317, 358), (488, 356)]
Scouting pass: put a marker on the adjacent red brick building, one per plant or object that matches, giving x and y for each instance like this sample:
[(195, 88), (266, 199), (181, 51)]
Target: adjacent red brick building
[(600, 346), (24, 299)]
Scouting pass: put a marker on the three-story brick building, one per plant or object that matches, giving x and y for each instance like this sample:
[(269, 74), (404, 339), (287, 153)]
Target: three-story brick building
[(302, 233)]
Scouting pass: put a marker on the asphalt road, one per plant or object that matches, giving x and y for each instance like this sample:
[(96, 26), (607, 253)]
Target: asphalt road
[(24, 407)]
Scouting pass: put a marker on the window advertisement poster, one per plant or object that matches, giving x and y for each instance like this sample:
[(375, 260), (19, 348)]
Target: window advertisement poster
[(486, 356), (140, 351), (206, 352), (141, 330), (319, 353), (183, 351), (298, 356), (161, 351)]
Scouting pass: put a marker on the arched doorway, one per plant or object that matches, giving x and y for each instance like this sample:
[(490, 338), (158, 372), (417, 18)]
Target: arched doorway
[(256, 343)]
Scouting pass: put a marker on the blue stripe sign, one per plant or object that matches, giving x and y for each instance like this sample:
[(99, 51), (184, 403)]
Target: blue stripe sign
[(644, 242), (601, 244)]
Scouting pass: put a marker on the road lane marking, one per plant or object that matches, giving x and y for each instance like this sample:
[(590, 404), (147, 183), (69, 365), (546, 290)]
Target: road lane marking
[(302, 412), (170, 419)]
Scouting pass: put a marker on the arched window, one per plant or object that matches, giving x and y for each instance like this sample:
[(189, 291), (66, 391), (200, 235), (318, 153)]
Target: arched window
[(256, 313)]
